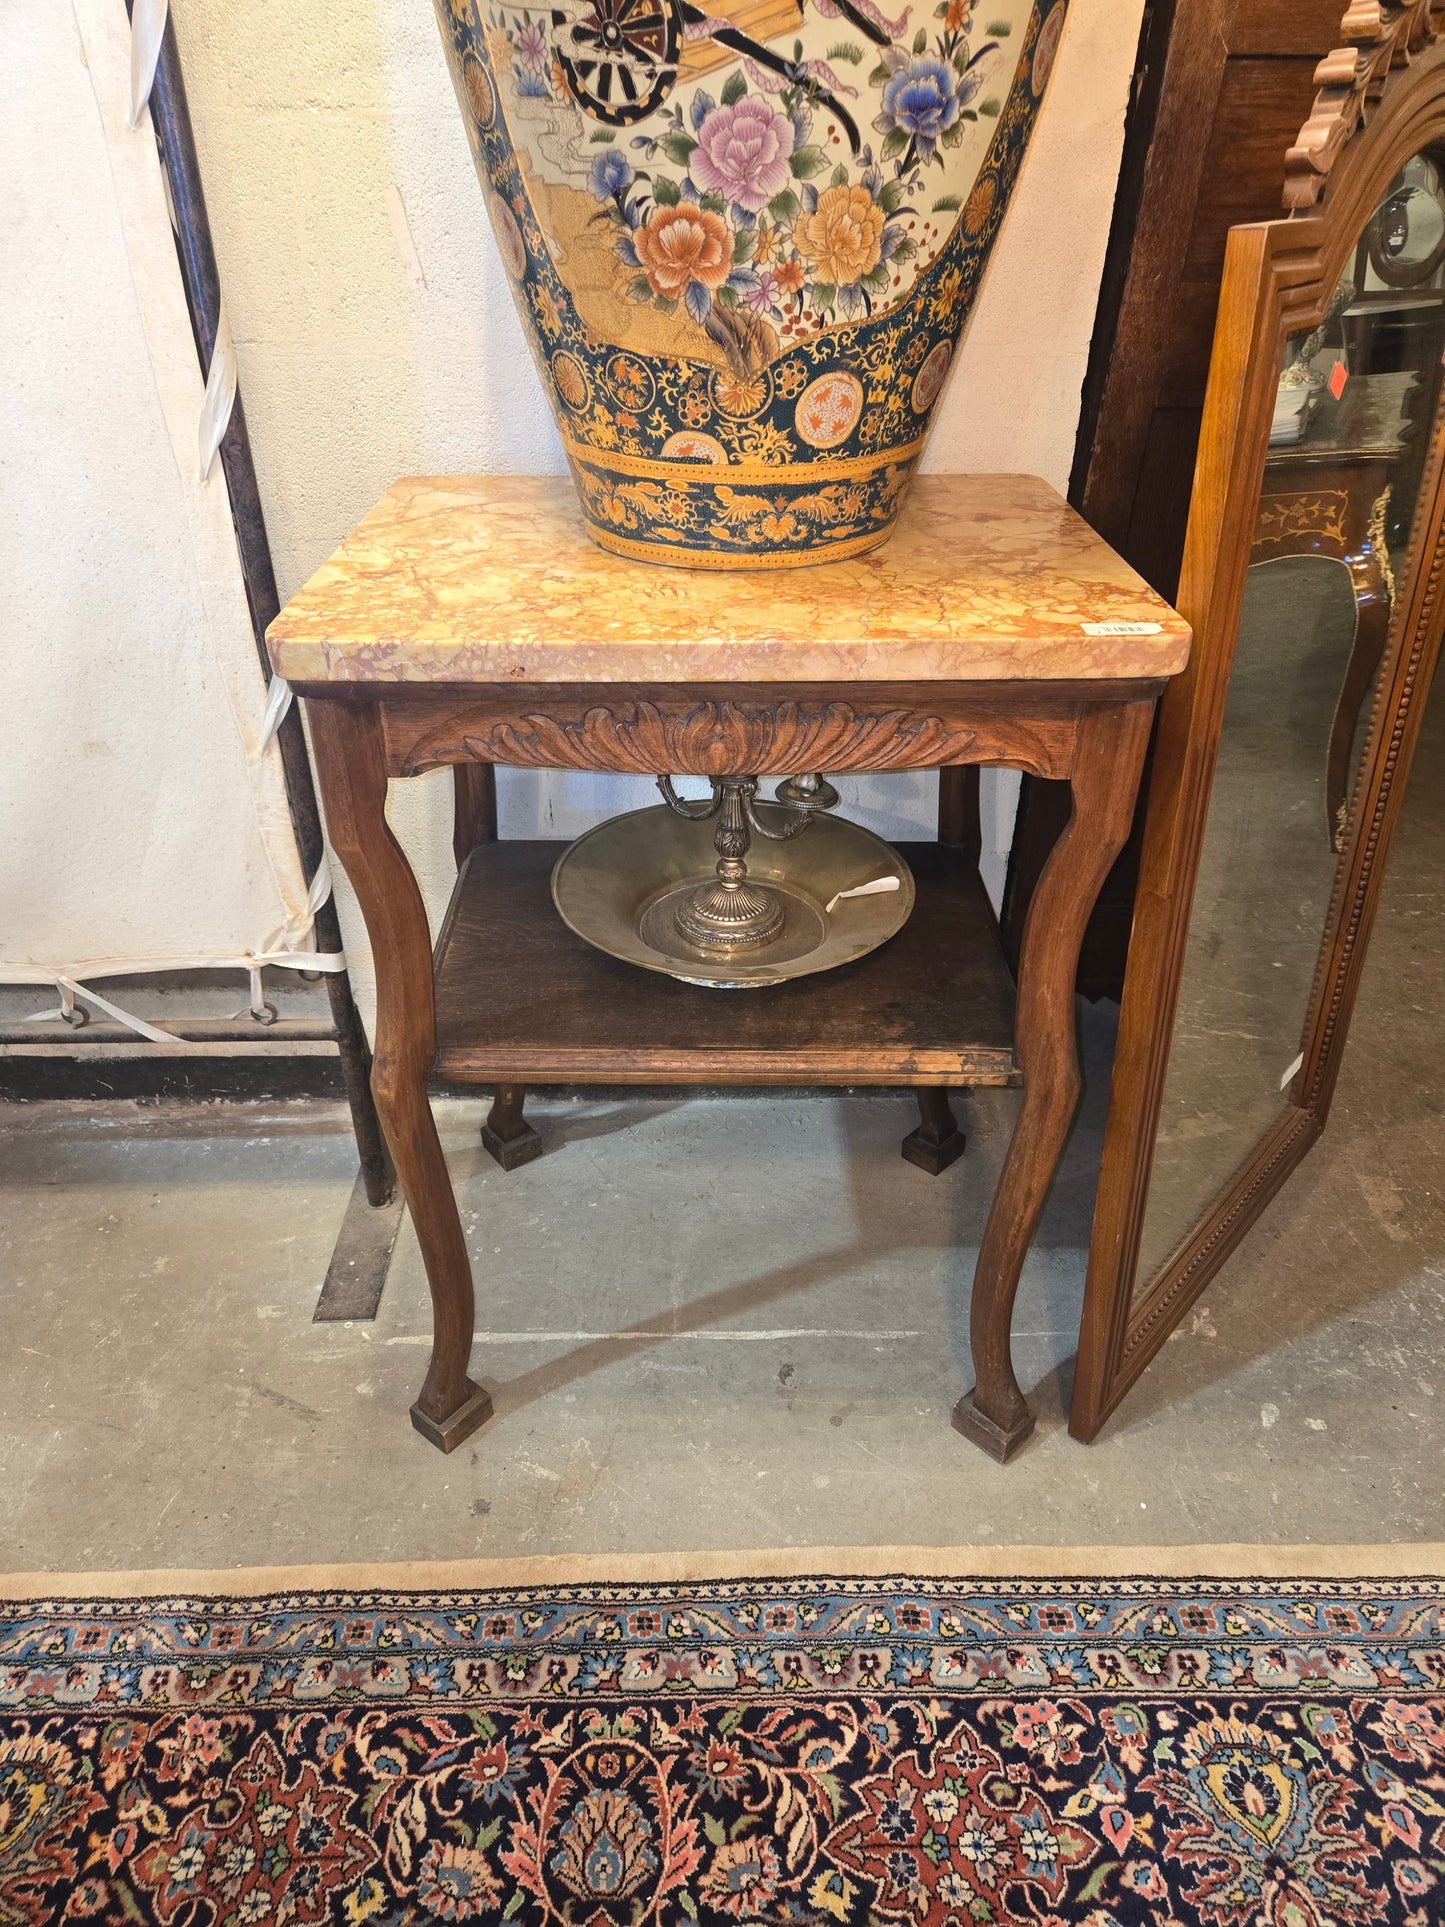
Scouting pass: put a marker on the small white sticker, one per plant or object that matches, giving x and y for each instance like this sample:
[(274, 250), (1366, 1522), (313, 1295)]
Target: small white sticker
[(1122, 628), (1291, 1070)]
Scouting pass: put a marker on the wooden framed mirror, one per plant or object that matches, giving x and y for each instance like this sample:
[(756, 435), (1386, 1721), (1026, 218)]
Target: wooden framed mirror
[(1312, 579)]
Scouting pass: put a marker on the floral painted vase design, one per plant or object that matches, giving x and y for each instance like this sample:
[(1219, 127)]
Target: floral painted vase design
[(744, 244)]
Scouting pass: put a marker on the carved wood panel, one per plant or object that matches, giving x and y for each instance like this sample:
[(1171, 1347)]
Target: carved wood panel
[(1378, 35), (689, 734)]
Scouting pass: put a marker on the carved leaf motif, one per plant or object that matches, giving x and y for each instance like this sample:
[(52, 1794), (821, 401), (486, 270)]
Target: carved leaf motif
[(722, 738), (1379, 34)]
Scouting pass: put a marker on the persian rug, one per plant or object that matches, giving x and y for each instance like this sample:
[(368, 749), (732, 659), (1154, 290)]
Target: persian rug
[(1109, 1751)]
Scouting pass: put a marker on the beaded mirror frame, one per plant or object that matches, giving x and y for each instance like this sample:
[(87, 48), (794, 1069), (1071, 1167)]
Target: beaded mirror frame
[(1382, 102)]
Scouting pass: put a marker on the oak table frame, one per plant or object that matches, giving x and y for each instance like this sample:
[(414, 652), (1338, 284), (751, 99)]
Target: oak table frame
[(1089, 730)]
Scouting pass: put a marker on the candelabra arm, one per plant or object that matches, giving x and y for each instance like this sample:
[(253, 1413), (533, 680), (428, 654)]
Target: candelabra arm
[(803, 814), (695, 812)]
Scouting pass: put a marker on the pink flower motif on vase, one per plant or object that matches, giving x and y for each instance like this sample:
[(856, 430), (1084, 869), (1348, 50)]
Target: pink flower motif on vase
[(701, 197), (742, 152), (532, 45)]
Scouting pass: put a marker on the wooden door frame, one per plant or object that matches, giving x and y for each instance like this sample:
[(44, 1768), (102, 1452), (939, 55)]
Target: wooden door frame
[(1278, 280)]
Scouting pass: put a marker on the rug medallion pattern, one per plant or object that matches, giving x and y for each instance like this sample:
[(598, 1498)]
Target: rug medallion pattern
[(1203, 1753)]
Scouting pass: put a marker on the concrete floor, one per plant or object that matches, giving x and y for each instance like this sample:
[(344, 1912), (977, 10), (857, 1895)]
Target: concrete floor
[(712, 1322)]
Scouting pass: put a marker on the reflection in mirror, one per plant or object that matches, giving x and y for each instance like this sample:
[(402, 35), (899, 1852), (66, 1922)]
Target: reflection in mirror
[(1346, 454), (1406, 238)]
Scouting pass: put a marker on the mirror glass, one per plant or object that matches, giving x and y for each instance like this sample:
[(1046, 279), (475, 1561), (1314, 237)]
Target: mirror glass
[(1347, 453), (1406, 238)]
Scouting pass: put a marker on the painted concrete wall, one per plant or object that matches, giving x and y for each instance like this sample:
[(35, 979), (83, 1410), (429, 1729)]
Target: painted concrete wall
[(377, 337)]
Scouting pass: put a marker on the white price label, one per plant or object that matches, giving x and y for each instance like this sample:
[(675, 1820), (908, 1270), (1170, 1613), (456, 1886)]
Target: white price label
[(1122, 628)]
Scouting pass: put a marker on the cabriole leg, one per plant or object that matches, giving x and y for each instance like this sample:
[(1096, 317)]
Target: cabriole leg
[(352, 768), (1108, 759)]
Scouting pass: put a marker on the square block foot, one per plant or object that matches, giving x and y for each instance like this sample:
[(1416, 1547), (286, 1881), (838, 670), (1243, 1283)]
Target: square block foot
[(934, 1155), (448, 1433), (512, 1151), (991, 1438)]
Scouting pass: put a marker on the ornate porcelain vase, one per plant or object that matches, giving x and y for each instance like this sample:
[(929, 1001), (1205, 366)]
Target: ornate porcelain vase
[(744, 244)]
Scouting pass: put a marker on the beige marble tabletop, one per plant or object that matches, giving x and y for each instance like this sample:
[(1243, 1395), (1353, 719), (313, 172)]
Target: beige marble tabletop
[(492, 578)]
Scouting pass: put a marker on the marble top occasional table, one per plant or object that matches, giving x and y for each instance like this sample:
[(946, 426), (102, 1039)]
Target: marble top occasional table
[(469, 621)]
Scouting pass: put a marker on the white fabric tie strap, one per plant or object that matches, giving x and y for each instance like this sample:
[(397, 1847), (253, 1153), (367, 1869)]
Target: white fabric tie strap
[(320, 885), (70, 991), (70, 986), (279, 698), (220, 397), (66, 1012), (263, 1012), (292, 933), (147, 25)]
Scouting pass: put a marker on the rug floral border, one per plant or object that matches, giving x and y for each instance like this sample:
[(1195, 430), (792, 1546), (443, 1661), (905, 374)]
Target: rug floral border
[(1122, 1751)]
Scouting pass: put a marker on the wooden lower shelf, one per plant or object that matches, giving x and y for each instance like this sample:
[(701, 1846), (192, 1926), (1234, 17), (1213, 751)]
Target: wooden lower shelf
[(520, 999)]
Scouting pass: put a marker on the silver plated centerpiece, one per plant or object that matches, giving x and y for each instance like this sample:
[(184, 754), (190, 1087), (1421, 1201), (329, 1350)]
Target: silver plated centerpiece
[(642, 887)]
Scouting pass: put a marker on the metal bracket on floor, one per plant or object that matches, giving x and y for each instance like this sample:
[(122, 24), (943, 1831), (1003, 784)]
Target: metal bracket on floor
[(356, 1276)]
